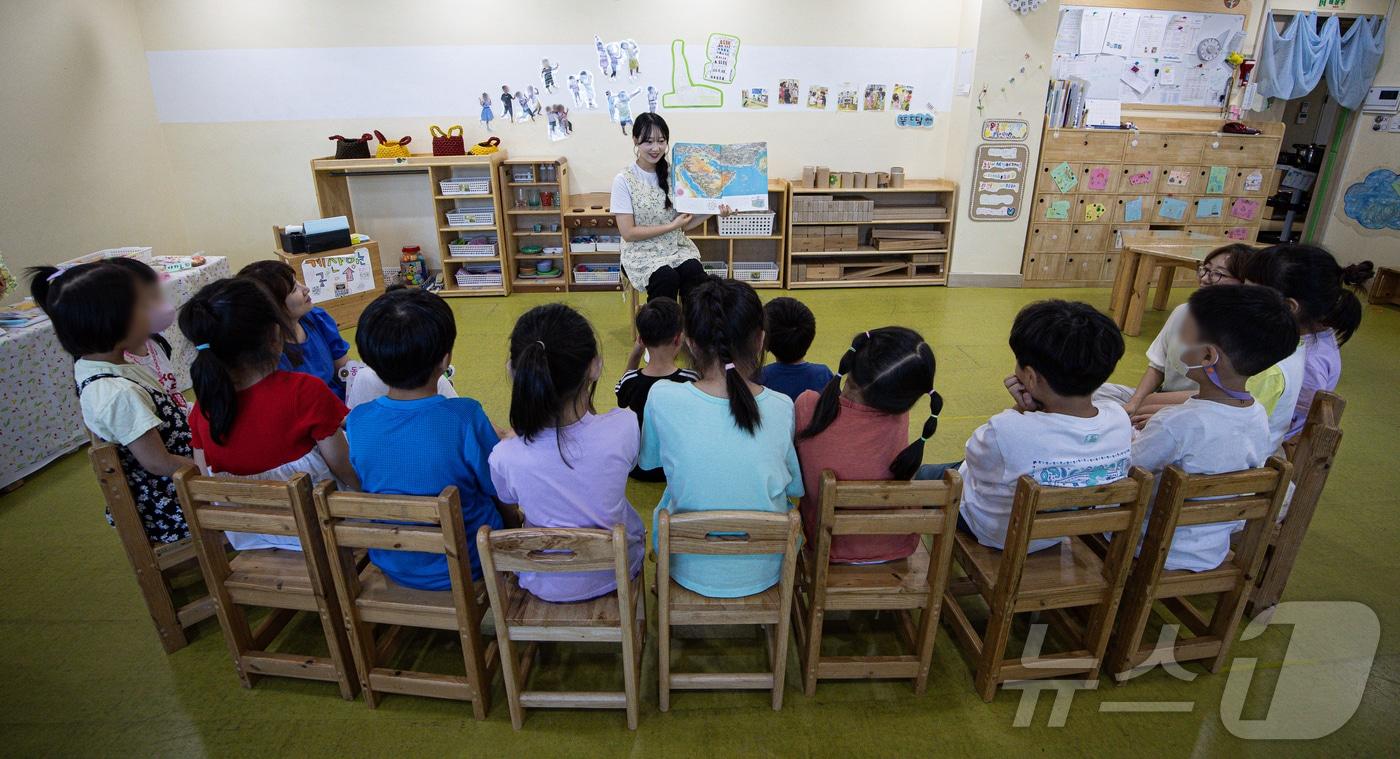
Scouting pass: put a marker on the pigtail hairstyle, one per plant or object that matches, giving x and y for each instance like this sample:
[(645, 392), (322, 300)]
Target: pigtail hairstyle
[(234, 325), (893, 367), (551, 349), (642, 128), (1324, 291), (723, 321), (90, 305)]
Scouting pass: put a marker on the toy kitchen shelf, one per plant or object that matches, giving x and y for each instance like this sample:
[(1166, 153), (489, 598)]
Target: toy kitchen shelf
[(889, 237), (588, 224), (535, 194), (468, 187)]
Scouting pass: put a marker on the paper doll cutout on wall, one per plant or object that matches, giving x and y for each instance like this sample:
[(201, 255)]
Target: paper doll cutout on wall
[(585, 83), (685, 93), (547, 70), (633, 56), (652, 97), (1064, 177), (560, 127)]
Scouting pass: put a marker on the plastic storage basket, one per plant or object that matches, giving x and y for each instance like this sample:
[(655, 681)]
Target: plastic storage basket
[(597, 274), (468, 248), (756, 271), (471, 216), (717, 268), (608, 243), (746, 225), (465, 185), (479, 276)]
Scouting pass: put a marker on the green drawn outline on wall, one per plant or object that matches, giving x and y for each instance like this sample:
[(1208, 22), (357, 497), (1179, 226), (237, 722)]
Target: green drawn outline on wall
[(685, 93), (734, 60)]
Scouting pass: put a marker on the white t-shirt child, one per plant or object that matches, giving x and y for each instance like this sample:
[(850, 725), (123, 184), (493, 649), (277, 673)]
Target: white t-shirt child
[(1164, 355), (1054, 449), (116, 410), (362, 385), (1203, 437)]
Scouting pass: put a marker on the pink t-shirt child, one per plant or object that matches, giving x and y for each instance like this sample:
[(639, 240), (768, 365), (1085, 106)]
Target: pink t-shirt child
[(1322, 368), (590, 490), (858, 445)]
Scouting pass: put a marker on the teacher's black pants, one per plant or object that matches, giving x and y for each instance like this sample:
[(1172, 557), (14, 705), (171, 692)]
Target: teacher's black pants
[(673, 281)]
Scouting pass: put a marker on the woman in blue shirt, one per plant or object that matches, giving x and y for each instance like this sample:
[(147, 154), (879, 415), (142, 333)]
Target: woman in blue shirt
[(319, 349)]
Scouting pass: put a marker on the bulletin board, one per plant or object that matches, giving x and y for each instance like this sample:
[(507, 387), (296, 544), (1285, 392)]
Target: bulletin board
[(1165, 58)]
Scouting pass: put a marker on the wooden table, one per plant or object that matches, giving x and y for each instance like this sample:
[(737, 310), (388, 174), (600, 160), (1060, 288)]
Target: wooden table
[(1145, 253)]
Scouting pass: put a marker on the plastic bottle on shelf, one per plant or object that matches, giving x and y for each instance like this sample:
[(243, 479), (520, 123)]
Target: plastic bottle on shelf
[(413, 266)]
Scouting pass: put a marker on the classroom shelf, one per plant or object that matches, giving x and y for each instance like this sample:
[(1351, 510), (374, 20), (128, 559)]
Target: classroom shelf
[(470, 228), (466, 196), (538, 211), (944, 220), (866, 250)]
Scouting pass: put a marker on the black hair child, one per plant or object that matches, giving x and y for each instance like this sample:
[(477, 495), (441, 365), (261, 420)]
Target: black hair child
[(724, 330), (554, 366)]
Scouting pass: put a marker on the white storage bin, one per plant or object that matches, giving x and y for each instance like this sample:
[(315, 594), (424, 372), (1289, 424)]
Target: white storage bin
[(717, 268), (472, 216), (746, 225), (478, 276), (756, 271), (465, 185), (609, 243), (583, 244), (522, 174), (476, 246), (595, 274)]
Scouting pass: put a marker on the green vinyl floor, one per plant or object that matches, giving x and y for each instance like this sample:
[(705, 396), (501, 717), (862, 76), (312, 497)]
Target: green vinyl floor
[(83, 674)]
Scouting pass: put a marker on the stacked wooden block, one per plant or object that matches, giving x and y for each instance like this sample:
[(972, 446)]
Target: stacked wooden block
[(819, 239), (818, 208)]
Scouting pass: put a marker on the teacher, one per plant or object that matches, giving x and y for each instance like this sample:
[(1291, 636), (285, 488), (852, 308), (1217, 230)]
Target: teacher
[(657, 257)]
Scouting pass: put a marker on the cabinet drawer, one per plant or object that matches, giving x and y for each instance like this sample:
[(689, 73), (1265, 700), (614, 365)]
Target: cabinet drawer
[(1124, 203), (1189, 180), (1208, 209), (1099, 177), (1245, 234), (1167, 210), (1053, 207), (1250, 180), (1046, 183), (1155, 147), (1138, 177), (1241, 150), (1089, 238), (1092, 209), (1049, 238), (1084, 267), (1073, 145), (1044, 266), (1110, 267), (1116, 232)]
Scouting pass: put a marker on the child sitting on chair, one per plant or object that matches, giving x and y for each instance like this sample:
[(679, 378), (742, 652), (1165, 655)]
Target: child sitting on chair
[(321, 351), (250, 418), (100, 317), (414, 441), (362, 384), (659, 335), (791, 327), (1058, 434), (155, 354), (1228, 334), (566, 465), (861, 431)]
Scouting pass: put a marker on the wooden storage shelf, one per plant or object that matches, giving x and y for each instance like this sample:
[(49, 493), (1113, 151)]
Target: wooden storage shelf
[(1163, 158), (331, 178), (512, 195), (864, 265)]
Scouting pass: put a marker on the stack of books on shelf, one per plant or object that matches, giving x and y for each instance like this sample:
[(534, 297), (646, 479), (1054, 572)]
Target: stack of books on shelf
[(1064, 104)]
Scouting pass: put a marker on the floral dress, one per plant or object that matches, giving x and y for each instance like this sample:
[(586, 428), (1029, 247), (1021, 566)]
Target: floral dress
[(643, 257), (155, 496)]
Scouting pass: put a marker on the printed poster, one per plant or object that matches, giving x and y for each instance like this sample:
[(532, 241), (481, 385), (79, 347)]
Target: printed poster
[(331, 277), (704, 176)]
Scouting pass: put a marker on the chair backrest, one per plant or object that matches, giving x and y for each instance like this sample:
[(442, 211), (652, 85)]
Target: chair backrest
[(1253, 496), (726, 532), (884, 507), (1046, 512), (230, 504), (553, 549)]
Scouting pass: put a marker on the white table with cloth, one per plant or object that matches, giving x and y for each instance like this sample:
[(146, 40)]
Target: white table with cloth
[(39, 415)]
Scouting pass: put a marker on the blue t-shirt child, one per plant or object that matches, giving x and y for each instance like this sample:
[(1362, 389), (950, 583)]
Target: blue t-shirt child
[(323, 347), (419, 447), (792, 379), (712, 464)]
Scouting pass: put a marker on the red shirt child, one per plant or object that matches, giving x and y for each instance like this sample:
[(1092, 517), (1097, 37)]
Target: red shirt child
[(280, 419)]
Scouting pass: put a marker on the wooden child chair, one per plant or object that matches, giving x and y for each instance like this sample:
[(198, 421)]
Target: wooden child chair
[(924, 507), (1054, 581), (1251, 495), (726, 533), (158, 566), (1312, 463), (634, 303), (284, 581), (368, 598), (618, 617)]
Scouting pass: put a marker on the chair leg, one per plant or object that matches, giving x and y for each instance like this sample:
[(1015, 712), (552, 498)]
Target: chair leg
[(508, 674), (928, 631), (780, 657), (993, 653), (812, 655), (630, 676)]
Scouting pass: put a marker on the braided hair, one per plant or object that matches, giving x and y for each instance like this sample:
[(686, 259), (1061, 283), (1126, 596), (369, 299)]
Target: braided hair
[(648, 125), (893, 367), (723, 321)]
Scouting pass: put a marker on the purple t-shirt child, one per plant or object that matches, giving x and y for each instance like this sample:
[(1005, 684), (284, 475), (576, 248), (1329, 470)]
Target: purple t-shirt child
[(1322, 367), (589, 491)]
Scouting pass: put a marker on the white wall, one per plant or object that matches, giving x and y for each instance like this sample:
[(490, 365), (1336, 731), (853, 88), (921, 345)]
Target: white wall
[(84, 165)]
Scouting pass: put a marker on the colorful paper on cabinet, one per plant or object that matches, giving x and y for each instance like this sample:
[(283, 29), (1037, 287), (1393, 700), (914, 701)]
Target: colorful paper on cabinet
[(1132, 211), (1098, 178), (1064, 177), (1172, 208), (1215, 183), (1209, 208), (1244, 208), (1178, 177), (1094, 211), (1140, 178), (1058, 209), (1254, 181), (1237, 233)]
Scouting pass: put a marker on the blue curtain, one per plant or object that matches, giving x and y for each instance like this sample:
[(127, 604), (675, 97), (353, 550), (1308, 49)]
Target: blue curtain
[(1292, 62)]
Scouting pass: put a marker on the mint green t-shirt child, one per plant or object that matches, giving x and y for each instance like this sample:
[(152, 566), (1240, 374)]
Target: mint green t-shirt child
[(712, 465)]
